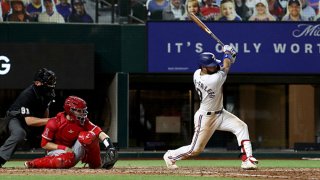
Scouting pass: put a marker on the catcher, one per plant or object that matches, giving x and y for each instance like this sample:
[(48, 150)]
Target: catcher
[(70, 137)]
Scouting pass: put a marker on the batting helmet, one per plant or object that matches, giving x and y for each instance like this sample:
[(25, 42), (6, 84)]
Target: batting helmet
[(208, 59), (76, 108)]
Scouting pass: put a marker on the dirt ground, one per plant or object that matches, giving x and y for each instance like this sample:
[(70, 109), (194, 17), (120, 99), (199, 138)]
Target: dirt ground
[(262, 173)]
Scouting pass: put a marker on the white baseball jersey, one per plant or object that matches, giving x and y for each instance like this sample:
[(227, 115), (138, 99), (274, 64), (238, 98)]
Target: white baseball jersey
[(211, 117), (209, 88)]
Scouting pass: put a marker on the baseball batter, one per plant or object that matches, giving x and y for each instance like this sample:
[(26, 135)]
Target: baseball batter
[(70, 137), (211, 116)]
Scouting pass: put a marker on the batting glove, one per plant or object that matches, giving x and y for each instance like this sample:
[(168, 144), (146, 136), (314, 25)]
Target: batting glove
[(227, 48), (230, 53)]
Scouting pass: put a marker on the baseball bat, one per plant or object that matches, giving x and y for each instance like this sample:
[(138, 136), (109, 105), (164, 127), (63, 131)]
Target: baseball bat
[(205, 28)]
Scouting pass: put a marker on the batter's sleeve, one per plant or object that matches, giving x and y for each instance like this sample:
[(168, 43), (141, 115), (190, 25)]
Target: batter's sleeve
[(222, 76)]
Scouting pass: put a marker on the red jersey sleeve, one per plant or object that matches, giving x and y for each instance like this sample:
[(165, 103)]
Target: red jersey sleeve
[(50, 129), (89, 126)]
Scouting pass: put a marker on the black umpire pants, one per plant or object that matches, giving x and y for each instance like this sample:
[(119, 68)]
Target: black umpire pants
[(16, 134)]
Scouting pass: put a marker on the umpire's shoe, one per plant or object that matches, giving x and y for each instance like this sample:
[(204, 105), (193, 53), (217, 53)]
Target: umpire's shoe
[(249, 164), (170, 163), (2, 162)]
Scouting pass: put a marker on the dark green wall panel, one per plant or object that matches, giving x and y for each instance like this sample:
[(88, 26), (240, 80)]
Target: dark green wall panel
[(118, 48), (133, 52)]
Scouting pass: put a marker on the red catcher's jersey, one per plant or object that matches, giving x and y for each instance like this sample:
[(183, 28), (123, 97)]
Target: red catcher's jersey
[(61, 131)]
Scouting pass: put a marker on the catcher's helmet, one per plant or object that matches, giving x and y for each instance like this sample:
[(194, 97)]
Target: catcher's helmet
[(76, 108), (46, 77), (208, 59)]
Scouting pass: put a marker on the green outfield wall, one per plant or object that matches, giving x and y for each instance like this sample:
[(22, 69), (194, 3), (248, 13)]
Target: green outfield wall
[(117, 48)]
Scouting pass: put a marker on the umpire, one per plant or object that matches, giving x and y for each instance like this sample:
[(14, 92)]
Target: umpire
[(31, 108)]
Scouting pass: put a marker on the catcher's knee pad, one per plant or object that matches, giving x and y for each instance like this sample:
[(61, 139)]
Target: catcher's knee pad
[(87, 137)]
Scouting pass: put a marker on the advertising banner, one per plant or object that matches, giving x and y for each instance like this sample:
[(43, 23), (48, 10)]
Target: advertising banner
[(72, 63), (263, 47)]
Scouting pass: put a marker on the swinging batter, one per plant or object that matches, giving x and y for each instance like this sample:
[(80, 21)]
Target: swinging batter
[(211, 115)]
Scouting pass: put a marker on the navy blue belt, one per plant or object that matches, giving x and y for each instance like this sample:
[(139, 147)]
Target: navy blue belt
[(215, 112)]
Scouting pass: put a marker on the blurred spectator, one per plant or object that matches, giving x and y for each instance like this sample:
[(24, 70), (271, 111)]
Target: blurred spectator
[(79, 13), (34, 8), (139, 11), (243, 10), (294, 11), (307, 11), (250, 4), (64, 8), (175, 11), (1, 19), (314, 4), (193, 6), (210, 8), (276, 9), (228, 11), (5, 8), (261, 12), (50, 15), (317, 18), (18, 13), (155, 8), (156, 5)]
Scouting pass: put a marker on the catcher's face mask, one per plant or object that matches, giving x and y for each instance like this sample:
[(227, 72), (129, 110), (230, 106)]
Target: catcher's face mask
[(80, 114), (48, 80), (76, 108)]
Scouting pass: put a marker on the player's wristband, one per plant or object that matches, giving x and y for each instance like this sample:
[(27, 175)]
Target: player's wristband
[(62, 147), (227, 55), (105, 142)]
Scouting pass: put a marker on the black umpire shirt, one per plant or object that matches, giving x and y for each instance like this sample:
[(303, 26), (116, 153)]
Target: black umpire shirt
[(30, 103)]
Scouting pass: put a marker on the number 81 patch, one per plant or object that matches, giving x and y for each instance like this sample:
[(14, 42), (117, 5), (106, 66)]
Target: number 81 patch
[(24, 111)]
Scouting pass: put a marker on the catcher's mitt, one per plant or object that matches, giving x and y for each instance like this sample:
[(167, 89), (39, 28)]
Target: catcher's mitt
[(110, 158)]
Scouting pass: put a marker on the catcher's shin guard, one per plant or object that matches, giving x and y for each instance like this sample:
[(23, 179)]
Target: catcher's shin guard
[(92, 149), (62, 161)]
